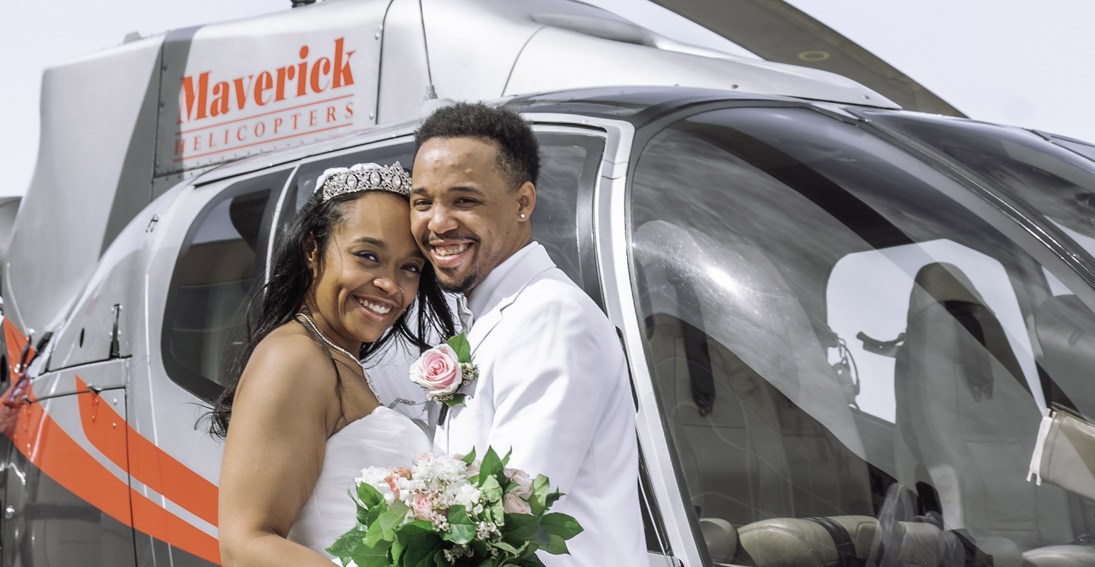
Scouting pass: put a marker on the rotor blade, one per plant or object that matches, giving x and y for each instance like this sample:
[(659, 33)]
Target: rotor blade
[(776, 31)]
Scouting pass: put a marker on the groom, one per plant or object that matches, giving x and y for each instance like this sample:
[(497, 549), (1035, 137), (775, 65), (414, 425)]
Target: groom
[(553, 382)]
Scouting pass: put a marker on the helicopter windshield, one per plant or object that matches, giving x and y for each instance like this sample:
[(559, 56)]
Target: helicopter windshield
[(833, 332), (1057, 183)]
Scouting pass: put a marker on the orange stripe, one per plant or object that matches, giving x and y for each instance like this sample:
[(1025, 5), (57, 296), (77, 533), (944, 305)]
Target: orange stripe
[(151, 519), (146, 462), (46, 445)]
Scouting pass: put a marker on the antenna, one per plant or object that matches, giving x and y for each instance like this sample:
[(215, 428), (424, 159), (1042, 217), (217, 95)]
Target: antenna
[(431, 93)]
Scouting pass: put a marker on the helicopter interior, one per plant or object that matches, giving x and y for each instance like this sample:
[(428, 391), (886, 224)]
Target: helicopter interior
[(765, 239)]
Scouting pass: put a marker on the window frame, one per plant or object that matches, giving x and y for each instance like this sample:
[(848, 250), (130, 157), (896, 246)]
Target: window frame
[(181, 374)]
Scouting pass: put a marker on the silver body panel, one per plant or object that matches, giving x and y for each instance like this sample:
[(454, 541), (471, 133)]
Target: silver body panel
[(152, 89)]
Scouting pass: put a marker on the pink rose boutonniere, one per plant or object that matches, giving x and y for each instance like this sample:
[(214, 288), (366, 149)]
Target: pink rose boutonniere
[(443, 369)]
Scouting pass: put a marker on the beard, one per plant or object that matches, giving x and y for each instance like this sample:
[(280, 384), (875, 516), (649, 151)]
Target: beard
[(461, 284)]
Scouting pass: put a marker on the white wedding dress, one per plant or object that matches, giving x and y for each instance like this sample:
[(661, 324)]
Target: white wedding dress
[(384, 438)]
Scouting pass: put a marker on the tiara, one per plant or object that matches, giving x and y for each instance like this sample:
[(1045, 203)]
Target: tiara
[(364, 177)]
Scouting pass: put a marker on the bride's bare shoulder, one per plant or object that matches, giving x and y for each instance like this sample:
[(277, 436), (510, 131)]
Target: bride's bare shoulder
[(287, 355)]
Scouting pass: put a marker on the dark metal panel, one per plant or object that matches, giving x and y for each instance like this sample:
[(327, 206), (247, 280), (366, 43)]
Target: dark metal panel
[(52, 526)]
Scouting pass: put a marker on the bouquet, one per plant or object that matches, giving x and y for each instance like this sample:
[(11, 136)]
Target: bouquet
[(451, 510)]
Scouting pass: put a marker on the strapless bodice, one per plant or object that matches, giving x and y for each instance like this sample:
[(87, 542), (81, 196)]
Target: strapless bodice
[(383, 438)]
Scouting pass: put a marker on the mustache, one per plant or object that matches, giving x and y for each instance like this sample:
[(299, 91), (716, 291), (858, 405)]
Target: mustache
[(434, 239)]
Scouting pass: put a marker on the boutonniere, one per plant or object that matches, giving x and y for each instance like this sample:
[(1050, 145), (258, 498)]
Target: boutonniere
[(443, 369)]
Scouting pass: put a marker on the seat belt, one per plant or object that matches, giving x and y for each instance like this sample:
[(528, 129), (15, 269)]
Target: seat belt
[(845, 549)]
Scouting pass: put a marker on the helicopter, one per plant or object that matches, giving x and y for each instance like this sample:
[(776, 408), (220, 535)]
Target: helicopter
[(856, 321)]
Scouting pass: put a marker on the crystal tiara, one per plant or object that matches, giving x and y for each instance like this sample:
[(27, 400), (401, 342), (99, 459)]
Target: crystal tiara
[(364, 177)]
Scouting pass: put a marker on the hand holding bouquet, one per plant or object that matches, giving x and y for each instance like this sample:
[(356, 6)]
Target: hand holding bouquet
[(447, 510)]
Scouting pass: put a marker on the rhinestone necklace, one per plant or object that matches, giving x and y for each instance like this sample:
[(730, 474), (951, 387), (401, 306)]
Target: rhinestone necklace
[(315, 329)]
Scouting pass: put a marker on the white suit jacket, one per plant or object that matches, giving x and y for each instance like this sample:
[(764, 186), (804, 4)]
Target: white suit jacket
[(553, 387)]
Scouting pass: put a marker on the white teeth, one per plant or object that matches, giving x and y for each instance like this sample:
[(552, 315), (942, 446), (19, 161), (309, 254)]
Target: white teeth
[(375, 307), (450, 251)]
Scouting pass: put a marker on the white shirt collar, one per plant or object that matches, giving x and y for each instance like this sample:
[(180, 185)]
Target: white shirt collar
[(508, 277)]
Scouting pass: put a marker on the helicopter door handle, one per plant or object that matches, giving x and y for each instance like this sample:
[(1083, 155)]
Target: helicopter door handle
[(115, 346)]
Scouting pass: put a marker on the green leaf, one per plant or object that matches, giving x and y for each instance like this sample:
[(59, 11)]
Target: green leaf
[(421, 550), (373, 556), (461, 527), (491, 465), (552, 498), (383, 527), (516, 551), (538, 500), (530, 561), (396, 551), (519, 528), (561, 525), (392, 518), (408, 535), (455, 400), (374, 533), (348, 543), (470, 457), (491, 493), (368, 495), (367, 517), (550, 543), (414, 528), (480, 548), (459, 343)]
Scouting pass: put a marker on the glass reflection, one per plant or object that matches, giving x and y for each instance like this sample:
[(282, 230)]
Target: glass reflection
[(849, 361)]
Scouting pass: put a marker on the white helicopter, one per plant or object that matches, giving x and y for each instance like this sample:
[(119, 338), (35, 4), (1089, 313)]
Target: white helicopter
[(856, 321)]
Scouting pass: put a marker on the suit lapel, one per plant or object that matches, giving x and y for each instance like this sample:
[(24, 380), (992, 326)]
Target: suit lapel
[(485, 324)]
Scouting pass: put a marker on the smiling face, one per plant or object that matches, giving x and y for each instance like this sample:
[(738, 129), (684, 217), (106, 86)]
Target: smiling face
[(369, 272), (464, 213)]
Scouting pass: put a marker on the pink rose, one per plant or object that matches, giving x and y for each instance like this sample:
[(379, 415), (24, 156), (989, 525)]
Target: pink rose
[(524, 484), (422, 507), (438, 371), (514, 504)]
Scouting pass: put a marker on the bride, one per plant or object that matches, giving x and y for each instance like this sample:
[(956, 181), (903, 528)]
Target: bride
[(301, 419)]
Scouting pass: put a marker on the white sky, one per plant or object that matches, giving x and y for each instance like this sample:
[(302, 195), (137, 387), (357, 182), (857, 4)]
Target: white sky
[(1010, 61)]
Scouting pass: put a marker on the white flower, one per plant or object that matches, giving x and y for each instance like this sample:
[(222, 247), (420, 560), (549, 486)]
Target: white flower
[(464, 494), (377, 477), (374, 476), (444, 470)]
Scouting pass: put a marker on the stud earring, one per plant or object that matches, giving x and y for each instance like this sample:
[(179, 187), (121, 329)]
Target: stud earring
[(522, 215)]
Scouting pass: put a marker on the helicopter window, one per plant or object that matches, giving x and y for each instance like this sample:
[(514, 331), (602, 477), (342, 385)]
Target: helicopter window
[(1055, 182), (569, 166), (220, 263), (839, 346), (869, 293)]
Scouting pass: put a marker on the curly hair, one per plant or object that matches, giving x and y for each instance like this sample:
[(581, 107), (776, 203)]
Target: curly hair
[(518, 150)]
